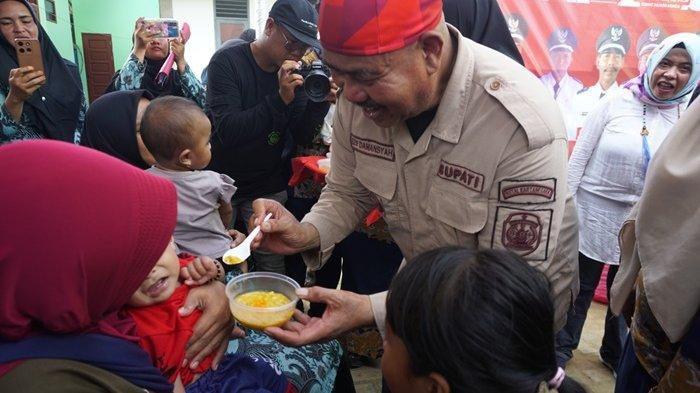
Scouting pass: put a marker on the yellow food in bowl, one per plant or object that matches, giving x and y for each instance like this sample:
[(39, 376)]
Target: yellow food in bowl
[(262, 300), (232, 260)]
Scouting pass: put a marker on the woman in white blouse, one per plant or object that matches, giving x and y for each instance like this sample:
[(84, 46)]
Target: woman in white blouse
[(607, 170)]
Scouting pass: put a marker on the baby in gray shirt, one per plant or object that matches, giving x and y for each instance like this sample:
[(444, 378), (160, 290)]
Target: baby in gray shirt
[(177, 132)]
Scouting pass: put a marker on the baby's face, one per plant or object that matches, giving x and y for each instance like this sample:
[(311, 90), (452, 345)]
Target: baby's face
[(161, 281), (201, 152)]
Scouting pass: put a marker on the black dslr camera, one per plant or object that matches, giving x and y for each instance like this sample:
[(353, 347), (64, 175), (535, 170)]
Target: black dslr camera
[(317, 84)]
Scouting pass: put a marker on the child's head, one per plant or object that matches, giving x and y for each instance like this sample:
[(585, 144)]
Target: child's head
[(176, 131), (461, 320), (161, 281)]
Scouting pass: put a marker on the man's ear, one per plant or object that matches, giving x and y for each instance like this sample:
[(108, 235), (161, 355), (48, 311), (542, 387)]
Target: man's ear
[(269, 24), (439, 383), (185, 158), (432, 45)]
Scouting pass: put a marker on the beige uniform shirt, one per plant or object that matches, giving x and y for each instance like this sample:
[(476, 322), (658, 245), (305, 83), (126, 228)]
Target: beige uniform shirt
[(488, 172)]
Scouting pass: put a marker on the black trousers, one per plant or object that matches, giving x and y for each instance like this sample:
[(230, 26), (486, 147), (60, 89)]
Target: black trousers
[(568, 338)]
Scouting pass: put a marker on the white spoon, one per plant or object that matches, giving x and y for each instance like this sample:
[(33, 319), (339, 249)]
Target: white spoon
[(241, 252)]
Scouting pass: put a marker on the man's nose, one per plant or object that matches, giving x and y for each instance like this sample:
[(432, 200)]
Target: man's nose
[(354, 92)]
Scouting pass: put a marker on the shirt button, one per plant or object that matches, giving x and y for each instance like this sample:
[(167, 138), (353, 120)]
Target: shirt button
[(495, 85), (43, 98)]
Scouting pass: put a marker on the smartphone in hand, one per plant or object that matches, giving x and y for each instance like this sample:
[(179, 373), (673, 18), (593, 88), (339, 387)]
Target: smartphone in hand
[(165, 28), (29, 54)]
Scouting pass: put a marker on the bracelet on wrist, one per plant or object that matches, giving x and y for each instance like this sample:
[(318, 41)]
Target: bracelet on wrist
[(220, 273)]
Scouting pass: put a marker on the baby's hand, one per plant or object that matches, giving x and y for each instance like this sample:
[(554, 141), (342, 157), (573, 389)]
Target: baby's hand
[(200, 271), (237, 237)]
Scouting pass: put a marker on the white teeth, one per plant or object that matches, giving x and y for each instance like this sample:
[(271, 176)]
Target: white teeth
[(371, 112)]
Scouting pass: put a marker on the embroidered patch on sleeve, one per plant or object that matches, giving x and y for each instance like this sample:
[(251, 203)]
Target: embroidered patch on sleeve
[(527, 191), (461, 175), (525, 232), (372, 148)]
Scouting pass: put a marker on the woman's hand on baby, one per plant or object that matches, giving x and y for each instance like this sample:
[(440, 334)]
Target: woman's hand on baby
[(200, 271), (213, 329)]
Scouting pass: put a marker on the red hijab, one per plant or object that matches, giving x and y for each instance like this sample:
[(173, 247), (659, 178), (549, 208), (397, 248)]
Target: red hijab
[(81, 230)]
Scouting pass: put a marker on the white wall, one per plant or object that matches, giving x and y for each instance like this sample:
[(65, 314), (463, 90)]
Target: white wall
[(258, 10), (59, 31), (199, 14)]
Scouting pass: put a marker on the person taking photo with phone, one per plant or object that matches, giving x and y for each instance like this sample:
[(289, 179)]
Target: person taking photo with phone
[(140, 71), (36, 103)]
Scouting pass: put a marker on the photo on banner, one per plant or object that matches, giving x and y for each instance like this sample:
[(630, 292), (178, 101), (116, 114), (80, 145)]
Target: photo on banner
[(584, 49)]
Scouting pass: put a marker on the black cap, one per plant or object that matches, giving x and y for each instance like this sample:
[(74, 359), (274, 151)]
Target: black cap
[(650, 39), (614, 37), (299, 17), (562, 38)]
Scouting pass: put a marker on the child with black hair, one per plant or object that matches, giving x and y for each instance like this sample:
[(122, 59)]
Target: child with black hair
[(460, 320), (177, 132)]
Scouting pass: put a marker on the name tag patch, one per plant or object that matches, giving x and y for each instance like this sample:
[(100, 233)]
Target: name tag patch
[(372, 148), (461, 175), (527, 191), (525, 232)]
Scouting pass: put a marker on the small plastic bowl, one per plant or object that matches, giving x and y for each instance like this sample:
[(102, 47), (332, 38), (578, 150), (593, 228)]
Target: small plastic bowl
[(262, 317), (324, 165)]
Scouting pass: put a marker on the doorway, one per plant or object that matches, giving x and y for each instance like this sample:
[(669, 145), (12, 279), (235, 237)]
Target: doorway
[(99, 63)]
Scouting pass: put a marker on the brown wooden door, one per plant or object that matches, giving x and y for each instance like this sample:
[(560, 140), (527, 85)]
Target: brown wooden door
[(99, 63)]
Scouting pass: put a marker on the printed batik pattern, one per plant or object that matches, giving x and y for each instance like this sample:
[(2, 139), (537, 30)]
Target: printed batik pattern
[(13, 131), (132, 73), (311, 368)]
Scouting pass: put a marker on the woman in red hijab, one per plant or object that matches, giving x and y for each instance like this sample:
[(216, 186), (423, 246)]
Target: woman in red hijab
[(81, 231)]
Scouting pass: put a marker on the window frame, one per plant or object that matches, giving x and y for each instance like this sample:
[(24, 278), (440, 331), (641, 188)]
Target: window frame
[(51, 17)]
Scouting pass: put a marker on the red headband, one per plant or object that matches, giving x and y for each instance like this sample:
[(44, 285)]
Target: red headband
[(372, 27)]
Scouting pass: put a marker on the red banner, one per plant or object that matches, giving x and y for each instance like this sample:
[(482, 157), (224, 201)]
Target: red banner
[(587, 19), (573, 44)]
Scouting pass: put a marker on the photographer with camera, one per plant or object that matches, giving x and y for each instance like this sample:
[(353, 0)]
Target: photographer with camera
[(141, 68), (260, 110)]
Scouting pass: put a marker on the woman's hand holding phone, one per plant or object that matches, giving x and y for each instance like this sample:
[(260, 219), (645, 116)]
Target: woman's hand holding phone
[(24, 82), (178, 48), (142, 37)]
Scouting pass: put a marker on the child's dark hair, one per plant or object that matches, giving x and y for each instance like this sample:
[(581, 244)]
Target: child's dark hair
[(482, 319), (166, 127)]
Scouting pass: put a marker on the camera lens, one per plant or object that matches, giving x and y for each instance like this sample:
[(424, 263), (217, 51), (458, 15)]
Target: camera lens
[(21, 50), (29, 50), (317, 86), (20, 43)]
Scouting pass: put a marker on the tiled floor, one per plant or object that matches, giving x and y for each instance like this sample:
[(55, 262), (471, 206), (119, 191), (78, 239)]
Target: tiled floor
[(584, 367)]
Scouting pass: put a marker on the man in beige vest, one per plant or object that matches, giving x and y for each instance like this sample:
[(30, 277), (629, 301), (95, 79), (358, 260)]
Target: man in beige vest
[(458, 143)]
